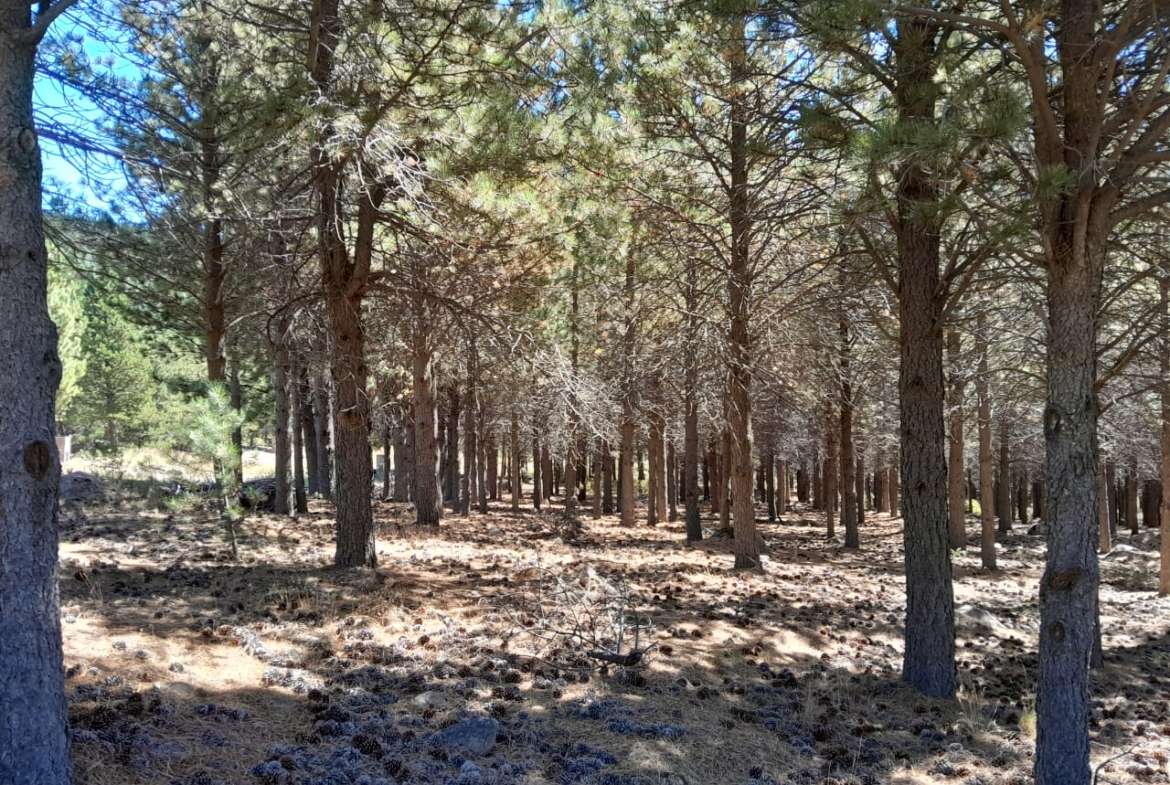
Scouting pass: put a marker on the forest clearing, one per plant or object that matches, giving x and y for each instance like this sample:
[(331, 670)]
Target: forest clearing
[(185, 668), (591, 392)]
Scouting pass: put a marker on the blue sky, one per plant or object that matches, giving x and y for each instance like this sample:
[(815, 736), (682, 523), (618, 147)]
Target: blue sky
[(74, 179)]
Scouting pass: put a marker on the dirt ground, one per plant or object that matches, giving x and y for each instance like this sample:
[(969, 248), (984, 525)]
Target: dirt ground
[(464, 657)]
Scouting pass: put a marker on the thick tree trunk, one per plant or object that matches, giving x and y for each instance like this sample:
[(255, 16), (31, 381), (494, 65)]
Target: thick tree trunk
[(1104, 537), (928, 662), (351, 418), (547, 473), (739, 300), (1068, 590), (957, 531), (34, 746), (986, 482)]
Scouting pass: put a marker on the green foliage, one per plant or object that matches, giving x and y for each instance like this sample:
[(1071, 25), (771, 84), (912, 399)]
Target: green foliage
[(67, 308), (212, 421), (114, 404)]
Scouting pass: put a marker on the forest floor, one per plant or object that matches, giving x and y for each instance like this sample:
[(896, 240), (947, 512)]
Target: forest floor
[(463, 658)]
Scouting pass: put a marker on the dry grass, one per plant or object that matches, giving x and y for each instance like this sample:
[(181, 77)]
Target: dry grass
[(812, 643)]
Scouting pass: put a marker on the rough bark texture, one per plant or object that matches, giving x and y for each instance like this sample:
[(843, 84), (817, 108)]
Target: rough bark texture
[(739, 299), (428, 502), (343, 279), (323, 432), (928, 662), (34, 746)]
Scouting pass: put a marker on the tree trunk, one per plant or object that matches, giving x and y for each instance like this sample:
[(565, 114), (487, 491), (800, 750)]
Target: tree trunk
[(859, 492), (309, 435), (322, 432), (428, 503), (598, 471), (716, 483), (626, 469), (739, 299), (470, 431), (768, 470), (34, 746), (607, 506), (957, 530), (656, 448), (691, 463), (830, 474), (514, 446), (351, 419), (492, 452), (387, 447), (451, 444), (1164, 442), (547, 473), (300, 499), (1131, 498), (1068, 590), (537, 466), (928, 662), (282, 447), (1104, 539), (1003, 502), (986, 483)]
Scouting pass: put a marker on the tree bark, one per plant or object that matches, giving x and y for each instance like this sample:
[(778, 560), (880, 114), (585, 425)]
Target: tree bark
[(34, 745), (323, 434), (428, 503), (514, 443), (1164, 442), (848, 465), (986, 483), (739, 299), (1131, 498), (928, 662), (831, 474), (300, 499), (1003, 500), (957, 532), (282, 446), (537, 466), (308, 427)]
